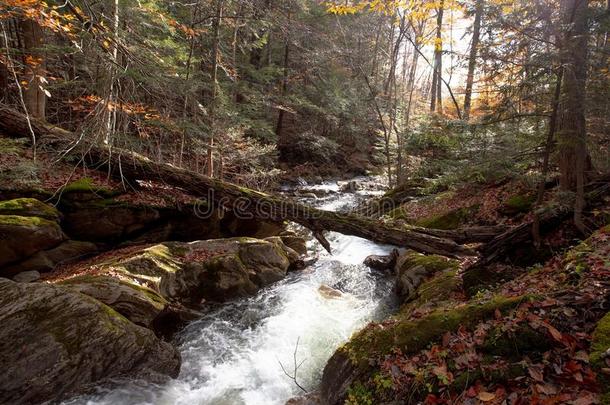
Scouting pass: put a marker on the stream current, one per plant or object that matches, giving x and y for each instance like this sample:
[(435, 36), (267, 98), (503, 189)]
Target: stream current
[(234, 354)]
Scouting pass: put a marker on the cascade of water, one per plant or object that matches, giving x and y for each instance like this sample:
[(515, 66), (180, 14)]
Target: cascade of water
[(233, 354)]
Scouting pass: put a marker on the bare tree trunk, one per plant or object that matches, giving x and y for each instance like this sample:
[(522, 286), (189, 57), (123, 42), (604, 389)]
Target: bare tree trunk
[(472, 59), (35, 67), (572, 133), (435, 100), (284, 88), (547, 154), (214, 74)]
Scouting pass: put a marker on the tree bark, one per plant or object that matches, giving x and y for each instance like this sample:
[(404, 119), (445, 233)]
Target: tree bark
[(546, 158), (35, 67), (435, 100), (472, 59), (246, 202), (284, 88), (214, 74), (572, 133)]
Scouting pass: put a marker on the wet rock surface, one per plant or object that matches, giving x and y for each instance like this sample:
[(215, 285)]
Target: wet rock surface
[(55, 342)]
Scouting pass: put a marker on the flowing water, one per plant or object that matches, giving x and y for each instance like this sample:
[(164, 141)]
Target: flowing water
[(234, 355)]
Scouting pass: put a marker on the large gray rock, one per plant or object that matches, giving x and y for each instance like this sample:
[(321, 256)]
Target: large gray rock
[(107, 221), (47, 260), (21, 237), (164, 279), (29, 207), (412, 269), (138, 304), (55, 342)]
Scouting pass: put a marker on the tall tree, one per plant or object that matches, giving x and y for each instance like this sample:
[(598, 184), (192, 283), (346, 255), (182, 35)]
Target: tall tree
[(215, 85), (435, 99), (572, 131), (33, 41), (472, 58)]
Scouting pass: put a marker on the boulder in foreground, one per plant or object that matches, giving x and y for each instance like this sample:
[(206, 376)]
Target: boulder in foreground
[(55, 342)]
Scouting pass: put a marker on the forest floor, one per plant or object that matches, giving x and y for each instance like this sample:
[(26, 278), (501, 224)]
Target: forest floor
[(535, 333)]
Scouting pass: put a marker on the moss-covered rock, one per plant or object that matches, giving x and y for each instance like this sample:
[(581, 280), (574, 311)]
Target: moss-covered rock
[(139, 304), (450, 220), (414, 268), (600, 355), (86, 189), (22, 236), (186, 273), (55, 342), (352, 361), (29, 207)]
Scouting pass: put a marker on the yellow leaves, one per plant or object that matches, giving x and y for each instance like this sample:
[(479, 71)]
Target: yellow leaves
[(387, 7), (438, 44)]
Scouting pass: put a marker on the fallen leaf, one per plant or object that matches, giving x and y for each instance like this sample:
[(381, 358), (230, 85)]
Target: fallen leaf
[(486, 396), (546, 389), (536, 374)]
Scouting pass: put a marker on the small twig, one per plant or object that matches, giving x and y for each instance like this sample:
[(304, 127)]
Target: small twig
[(293, 377)]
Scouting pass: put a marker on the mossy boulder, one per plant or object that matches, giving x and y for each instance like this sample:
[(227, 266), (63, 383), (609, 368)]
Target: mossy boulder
[(414, 268), (22, 236), (86, 189), (29, 207), (352, 361), (187, 273), (139, 304), (56, 342), (449, 220), (600, 355)]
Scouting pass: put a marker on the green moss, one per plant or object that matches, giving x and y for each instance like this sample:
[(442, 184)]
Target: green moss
[(432, 263), (450, 220), (358, 394), (86, 185), (16, 220), (439, 286), (28, 207), (411, 336), (156, 299), (521, 203), (600, 344), (11, 147)]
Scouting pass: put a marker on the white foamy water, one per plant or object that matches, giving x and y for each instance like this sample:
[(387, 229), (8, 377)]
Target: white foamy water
[(232, 355)]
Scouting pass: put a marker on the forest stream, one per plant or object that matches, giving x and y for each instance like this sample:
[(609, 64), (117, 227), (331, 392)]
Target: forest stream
[(232, 355)]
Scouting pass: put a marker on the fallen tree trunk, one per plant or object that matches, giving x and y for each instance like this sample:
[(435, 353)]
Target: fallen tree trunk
[(502, 244), (245, 202)]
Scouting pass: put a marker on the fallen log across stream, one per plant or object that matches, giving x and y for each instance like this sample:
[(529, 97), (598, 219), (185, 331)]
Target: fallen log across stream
[(128, 165)]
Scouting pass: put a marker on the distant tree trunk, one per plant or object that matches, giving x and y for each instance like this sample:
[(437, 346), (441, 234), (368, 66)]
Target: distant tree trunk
[(214, 74), (572, 131), (284, 88), (256, 52), (546, 158), (472, 59), (35, 67), (435, 100), (189, 61)]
